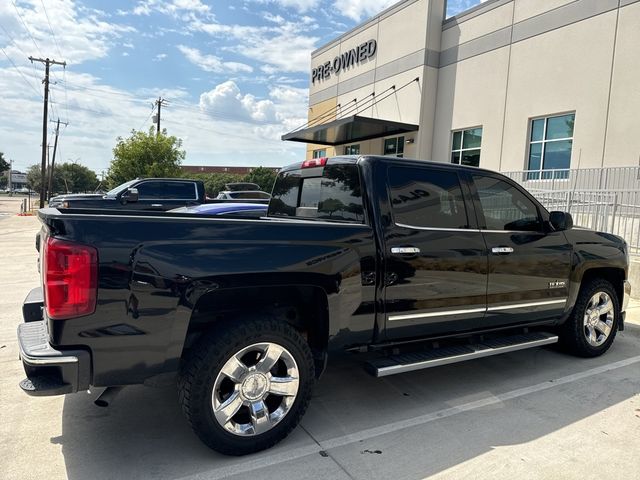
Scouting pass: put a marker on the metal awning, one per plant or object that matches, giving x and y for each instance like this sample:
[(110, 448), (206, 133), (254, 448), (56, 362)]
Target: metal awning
[(349, 130)]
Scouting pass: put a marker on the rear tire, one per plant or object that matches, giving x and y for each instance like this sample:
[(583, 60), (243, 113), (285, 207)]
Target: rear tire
[(593, 324), (244, 387)]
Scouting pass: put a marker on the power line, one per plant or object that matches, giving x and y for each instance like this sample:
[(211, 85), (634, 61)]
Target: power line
[(64, 72), (21, 74), (51, 28), (24, 24), (25, 27), (153, 108)]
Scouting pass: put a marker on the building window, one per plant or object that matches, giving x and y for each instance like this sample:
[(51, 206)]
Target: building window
[(352, 149), (465, 147), (550, 147), (320, 153), (394, 146)]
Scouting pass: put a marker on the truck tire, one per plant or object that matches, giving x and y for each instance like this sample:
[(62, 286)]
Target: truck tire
[(245, 386), (593, 324)]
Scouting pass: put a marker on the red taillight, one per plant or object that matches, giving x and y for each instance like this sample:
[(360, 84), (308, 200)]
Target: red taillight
[(316, 162), (70, 279)]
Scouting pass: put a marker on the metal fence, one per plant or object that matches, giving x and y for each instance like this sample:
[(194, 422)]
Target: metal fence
[(614, 178), (605, 199)]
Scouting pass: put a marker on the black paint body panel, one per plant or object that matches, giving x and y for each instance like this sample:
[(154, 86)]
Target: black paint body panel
[(155, 267)]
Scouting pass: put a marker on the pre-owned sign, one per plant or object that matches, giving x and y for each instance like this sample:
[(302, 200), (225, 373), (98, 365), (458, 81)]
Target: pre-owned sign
[(345, 60)]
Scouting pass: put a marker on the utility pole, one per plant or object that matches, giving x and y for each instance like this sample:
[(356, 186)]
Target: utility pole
[(159, 103), (9, 179), (53, 159), (43, 168)]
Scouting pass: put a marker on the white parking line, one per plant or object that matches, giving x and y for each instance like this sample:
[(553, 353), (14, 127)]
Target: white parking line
[(296, 453)]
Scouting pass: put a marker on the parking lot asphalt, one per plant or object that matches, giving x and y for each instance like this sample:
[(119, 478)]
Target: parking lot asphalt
[(531, 414)]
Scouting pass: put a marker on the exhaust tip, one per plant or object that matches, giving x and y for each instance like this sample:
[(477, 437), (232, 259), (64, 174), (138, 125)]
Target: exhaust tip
[(107, 396)]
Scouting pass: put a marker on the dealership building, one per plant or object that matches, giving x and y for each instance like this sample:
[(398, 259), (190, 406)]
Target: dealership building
[(508, 85)]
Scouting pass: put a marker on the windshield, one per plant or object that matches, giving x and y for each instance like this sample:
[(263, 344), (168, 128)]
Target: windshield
[(115, 191)]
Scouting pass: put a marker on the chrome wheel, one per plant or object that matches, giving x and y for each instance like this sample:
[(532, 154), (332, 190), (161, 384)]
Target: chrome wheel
[(255, 389), (598, 319)]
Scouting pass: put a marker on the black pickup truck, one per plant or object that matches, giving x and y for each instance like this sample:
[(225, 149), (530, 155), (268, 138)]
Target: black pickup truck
[(140, 194), (412, 264)]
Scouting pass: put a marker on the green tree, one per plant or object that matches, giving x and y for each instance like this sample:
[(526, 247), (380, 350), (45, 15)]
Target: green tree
[(145, 154), (76, 178), (262, 176), (3, 181), (33, 177), (4, 165), (67, 177)]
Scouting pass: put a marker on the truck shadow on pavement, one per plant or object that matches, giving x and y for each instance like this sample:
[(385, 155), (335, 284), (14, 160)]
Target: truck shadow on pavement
[(425, 421)]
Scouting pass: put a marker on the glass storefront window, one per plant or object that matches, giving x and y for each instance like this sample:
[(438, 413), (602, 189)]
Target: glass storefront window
[(320, 153), (394, 146), (550, 147), (352, 149), (465, 146)]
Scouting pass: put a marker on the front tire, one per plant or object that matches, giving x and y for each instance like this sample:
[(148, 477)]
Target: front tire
[(593, 324), (244, 387)]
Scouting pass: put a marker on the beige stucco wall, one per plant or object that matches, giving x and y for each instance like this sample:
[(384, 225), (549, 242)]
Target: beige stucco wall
[(478, 26), (328, 108), (470, 94), (566, 69), (545, 79), (398, 33), (623, 139), (500, 66), (530, 8), (404, 33)]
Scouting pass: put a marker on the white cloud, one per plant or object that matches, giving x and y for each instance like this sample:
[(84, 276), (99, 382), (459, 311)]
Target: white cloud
[(78, 37), (299, 5), (360, 9), (211, 63), (226, 101), (159, 57), (270, 17), (282, 48), (174, 8)]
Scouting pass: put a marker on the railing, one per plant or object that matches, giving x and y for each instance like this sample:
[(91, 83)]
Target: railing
[(614, 178), (605, 199)]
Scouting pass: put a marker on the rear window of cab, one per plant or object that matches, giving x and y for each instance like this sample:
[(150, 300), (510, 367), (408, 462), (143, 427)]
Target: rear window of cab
[(332, 192)]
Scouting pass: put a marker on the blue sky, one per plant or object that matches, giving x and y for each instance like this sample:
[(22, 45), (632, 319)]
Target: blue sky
[(235, 73)]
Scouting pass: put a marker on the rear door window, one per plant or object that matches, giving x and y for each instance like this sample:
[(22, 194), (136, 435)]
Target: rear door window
[(329, 193), (180, 191), (426, 198)]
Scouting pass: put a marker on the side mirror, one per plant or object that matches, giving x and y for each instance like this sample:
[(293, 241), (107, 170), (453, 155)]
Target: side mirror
[(130, 195), (561, 220)]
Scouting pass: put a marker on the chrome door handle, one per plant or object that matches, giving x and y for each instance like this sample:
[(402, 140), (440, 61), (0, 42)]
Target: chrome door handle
[(405, 250), (156, 204), (502, 250)]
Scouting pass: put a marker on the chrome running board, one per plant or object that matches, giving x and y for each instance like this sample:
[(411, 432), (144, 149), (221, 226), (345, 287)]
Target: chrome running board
[(436, 357)]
